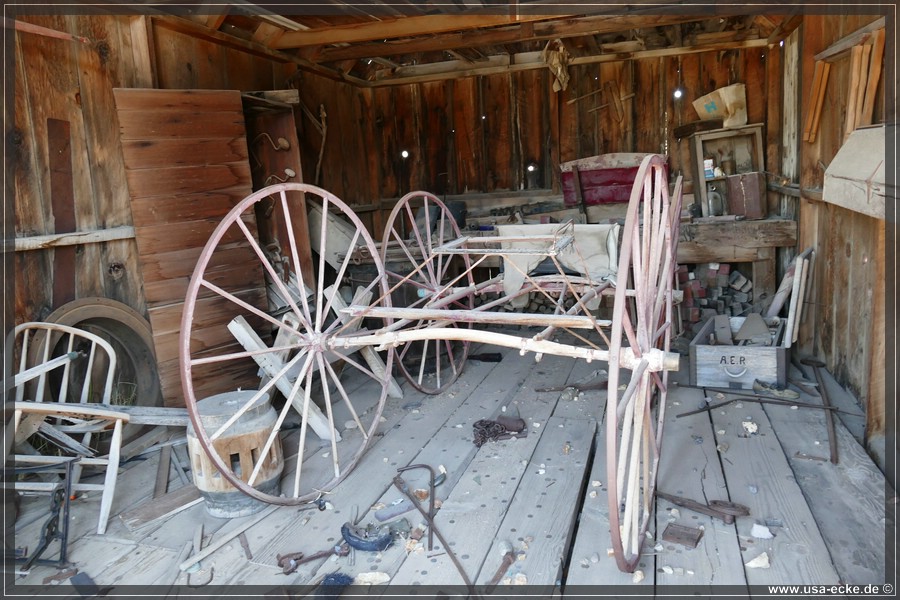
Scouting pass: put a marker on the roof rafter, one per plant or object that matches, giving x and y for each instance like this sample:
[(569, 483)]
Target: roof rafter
[(524, 32), (399, 28)]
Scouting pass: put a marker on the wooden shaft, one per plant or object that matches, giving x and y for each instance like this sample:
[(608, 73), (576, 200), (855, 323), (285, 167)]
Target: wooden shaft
[(658, 360)]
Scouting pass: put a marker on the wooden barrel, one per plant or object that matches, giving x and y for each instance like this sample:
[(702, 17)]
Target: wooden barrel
[(243, 441)]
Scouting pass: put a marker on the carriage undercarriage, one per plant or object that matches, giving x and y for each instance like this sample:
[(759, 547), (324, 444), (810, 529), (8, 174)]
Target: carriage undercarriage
[(422, 319)]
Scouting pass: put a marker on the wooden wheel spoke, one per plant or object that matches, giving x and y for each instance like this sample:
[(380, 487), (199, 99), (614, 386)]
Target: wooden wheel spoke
[(341, 271), (273, 275), (304, 426), (356, 365), (246, 306), (276, 430), (320, 284), (328, 411), (295, 256), (259, 394), (343, 394), (425, 250), (422, 362)]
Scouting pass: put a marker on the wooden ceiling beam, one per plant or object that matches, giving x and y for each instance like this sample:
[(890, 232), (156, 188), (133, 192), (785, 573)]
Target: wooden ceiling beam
[(525, 32), (532, 60), (190, 28), (399, 28)]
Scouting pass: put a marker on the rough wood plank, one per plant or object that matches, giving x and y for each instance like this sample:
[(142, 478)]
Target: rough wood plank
[(369, 480), (852, 521), (552, 481), (147, 115), (759, 477), (739, 241), (690, 467), (485, 484), (150, 100), (161, 507)]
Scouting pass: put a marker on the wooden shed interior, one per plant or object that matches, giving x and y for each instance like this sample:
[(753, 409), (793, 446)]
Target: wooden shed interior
[(119, 168)]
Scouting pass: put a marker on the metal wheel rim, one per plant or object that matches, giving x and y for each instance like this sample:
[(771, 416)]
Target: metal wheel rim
[(323, 344), (633, 444), (432, 271)]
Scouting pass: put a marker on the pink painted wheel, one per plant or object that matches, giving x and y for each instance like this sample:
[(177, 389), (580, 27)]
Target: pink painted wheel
[(641, 321), (419, 278), (300, 343)]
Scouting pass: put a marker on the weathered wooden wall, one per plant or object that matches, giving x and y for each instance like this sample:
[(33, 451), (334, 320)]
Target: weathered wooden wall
[(479, 134), (68, 165), (845, 312), (468, 135)]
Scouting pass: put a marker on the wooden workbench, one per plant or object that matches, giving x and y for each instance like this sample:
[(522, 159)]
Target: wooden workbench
[(739, 241)]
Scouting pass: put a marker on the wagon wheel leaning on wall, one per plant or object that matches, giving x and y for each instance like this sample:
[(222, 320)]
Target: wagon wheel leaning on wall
[(418, 278), (323, 443), (642, 320)]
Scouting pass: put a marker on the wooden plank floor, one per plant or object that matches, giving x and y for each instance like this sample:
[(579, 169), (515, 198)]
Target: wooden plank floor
[(543, 496)]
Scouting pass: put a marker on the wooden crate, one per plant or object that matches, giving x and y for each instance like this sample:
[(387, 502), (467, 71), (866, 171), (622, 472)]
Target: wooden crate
[(738, 366)]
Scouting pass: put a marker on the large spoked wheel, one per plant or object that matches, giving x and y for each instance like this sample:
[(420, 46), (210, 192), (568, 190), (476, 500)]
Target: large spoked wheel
[(299, 344), (419, 278), (643, 321)]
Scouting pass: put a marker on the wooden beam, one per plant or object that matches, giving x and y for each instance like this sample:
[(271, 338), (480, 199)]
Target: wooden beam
[(191, 29), (860, 36), (525, 32), (214, 22), (784, 29), (54, 240), (401, 27), (531, 60), (267, 34)]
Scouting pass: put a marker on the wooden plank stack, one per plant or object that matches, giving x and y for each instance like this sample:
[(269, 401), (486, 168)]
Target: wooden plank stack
[(712, 289), (187, 165)]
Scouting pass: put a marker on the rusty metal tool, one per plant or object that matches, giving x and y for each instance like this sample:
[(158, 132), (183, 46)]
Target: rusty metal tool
[(404, 489), (509, 557), (290, 561), (817, 364), (430, 497), (719, 509)]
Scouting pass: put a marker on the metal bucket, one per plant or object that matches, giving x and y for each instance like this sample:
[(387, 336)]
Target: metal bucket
[(243, 441)]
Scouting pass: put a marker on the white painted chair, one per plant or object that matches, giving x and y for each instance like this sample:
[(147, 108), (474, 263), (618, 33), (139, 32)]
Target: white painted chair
[(63, 380)]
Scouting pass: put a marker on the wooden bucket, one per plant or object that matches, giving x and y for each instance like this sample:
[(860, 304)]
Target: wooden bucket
[(243, 441)]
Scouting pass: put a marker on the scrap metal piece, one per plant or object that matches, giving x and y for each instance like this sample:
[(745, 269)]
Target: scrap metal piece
[(688, 537)]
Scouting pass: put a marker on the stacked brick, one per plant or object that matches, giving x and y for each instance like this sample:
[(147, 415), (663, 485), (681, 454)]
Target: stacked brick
[(712, 289)]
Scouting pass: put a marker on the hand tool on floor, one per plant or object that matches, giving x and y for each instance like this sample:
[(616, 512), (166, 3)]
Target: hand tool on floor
[(401, 485), (431, 485), (817, 364), (289, 562), (509, 557), (719, 509)]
